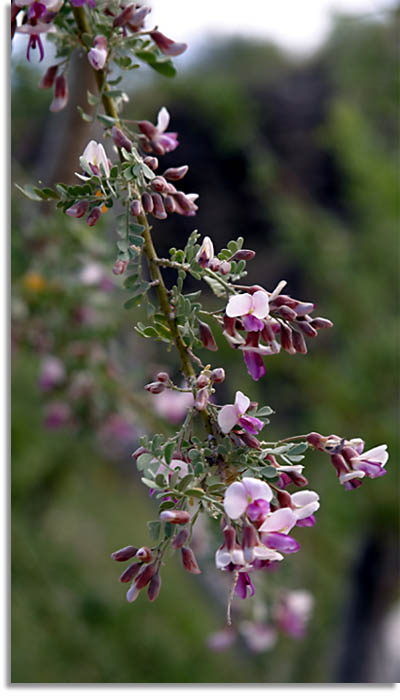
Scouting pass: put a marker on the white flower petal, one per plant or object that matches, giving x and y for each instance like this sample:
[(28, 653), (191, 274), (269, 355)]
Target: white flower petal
[(375, 454), (242, 402), (281, 520), (263, 552), (239, 305), (222, 558), (307, 510), (162, 120), (236, 500), (302, 498), (228, 417), (351, 475), (257, 489), (260, 304)]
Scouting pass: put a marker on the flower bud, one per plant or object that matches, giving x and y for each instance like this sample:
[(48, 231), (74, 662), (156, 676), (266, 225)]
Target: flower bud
[(163, 377), (130, 572), (307, 329), (155, 387), (304, 307), (159, 184), (298, 479), (132, 593), (175, 174), (284, 499), (229, 533), (287, 313), (287, 339), (169, 204), (244, 255), (97, 56), (151, 161), (215, 264), (61, 94), (167, 46), (94, 216), (298, 342), (154, 587), (316, 440), (206, 337), (348, 453), (48, 78), (189, 561), (284, 299), (119, 267), (202, 381), (225, 267), (250, 540), (206, 252), (144, 577), (124, 554), (180, 517), (125, 16), (136, 23), (136, 207), (180, 538), (78, 209), (201, 399), (339, 464), (250, 440), (158, 207), (148, 204), (267, 332), (320, 322), (218, 375), (120, 140), (185, 203), (144, 554)]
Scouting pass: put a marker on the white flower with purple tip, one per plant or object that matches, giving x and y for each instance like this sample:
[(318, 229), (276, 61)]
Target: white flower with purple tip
[(252, 308), (370, 463), (241, 496), (95, 157), (233, 414), (305, 504)]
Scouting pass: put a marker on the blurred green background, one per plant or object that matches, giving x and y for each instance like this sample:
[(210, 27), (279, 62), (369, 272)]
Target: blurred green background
[(300, 157)]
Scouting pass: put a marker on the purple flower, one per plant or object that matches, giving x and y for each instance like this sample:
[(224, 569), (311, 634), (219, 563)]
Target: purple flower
[(97, 56), (293, 612), (94, 158), (243, 583), (233, 414), (167, 46), (156, 138), (251, 308), (241, 495)]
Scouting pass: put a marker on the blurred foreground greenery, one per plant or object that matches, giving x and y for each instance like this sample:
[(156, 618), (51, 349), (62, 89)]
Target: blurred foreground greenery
[(299, 157)]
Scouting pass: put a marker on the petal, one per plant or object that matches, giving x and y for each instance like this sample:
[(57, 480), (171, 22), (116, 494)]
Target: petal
[(236, 500), (303, 498), (222, 558), (251, 424), (284, 543), (251, 323), (281, 520), (162, 120), (376, 454), (307, 510), (227, 418), (90, 152), (183, 467), (239, 305), (254, 364), (260, 304), (351, 475), (242, 402), (103, 160), (263, 552), (257, 489)]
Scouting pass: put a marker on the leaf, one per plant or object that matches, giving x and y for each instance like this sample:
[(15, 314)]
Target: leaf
[(134, 301), (30, 192), (92, 99), (184, 482), (143, 461), (86, 117), (264, 411), (161, 65), (105, 119), (149, 482), (154, 529), (216, 286), (136, 240), (298, 449), (130, 281), (169, 451), (87, 39), (166, 505), (160, 480), (198, 493), (268, 472)]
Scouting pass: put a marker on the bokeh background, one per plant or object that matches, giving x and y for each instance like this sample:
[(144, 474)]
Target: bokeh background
[(297, 152)]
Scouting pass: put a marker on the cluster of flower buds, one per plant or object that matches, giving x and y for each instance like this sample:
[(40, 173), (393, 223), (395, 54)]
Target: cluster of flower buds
[(352, 464), (61, 91), (270, 321), (263, 528), (206, 258), (162, 382), (142, 573)]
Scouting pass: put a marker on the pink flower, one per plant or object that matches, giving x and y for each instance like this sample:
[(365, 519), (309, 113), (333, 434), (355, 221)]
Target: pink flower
[(240, 496), (305, 504), (252, 308), (173, 405), (94, 158), (167, 46), (293, 612), (369, 463), (281, 520), (97, 56), (156, 138), (233, 414)]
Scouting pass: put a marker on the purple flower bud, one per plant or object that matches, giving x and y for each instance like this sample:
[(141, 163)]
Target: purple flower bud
[(144, 577), (176, 173), (298, 342), (167, 46), (306, 522), (218, 375), (180, 517), (97, 56), (158, 207), (339, 464), (205, 253), (284, 499), (136, 207), (180, 539), (144, 554), (120, 140), (284, 299), (94, 216), (184, 203), (320, 322), (147, 201), (215, 264), (125, 16), (78, 209), (206, 337), (303, 307), (136, 23), (132, 593), (201, 399), (155, 387), (163, 377), (225, 267), (119, 267), (61, 94), (169, 204), (287, 339), (229, 537), (307, 329), (202, 381), (298, 479), (124, 554), (316, 440), (147, 128), (250, 440), (154, 587), (48, 78), (151, 162), (159, 184), (250, 540), (244, 255), (189, 561), (267, 332), (130, 572), (287, 313)]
